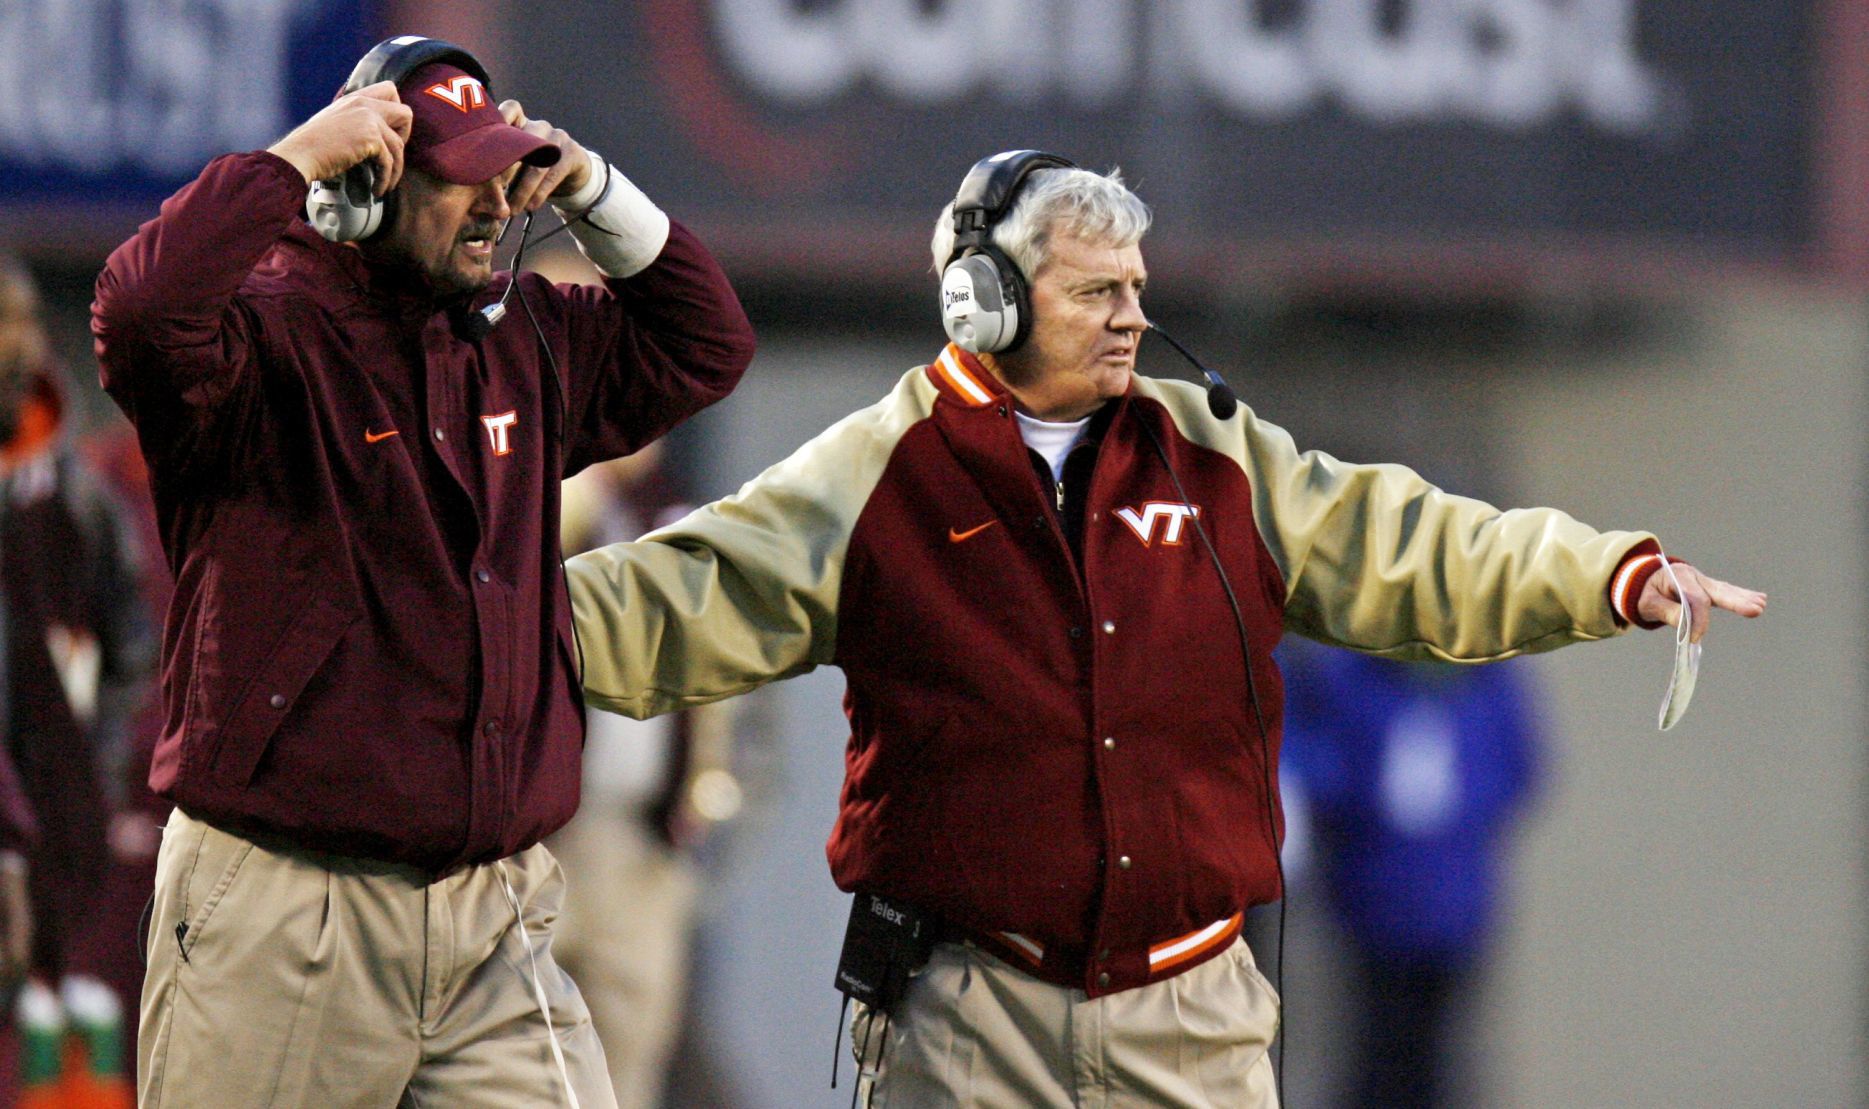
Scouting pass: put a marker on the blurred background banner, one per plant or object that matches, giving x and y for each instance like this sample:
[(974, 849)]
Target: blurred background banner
[(122, 101), (1470, 140), (1608, 127)]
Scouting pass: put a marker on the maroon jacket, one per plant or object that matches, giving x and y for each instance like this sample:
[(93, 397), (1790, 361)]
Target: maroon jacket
[(369, 650)]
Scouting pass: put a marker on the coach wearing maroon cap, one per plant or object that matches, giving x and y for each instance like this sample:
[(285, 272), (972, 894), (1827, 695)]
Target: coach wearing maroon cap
[(373, 712)]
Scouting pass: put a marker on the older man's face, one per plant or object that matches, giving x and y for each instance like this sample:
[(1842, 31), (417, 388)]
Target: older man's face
[(1086, 323)]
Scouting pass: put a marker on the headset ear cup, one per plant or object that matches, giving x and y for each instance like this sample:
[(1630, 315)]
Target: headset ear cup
[(346, 209), (974, 309)]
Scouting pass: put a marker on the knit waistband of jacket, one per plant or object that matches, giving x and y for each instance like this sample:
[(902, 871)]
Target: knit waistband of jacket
[(1106, 971)]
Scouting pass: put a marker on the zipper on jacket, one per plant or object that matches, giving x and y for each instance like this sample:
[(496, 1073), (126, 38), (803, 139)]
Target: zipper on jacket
[(1060, 498)]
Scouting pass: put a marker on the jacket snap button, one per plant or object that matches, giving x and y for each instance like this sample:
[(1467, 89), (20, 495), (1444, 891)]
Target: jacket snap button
[(483, 575), (1109, 743), (1077, 633), (440, 435), (1103, 979), (1109, 627), (1123, 862), (492, 728), (278, 700)]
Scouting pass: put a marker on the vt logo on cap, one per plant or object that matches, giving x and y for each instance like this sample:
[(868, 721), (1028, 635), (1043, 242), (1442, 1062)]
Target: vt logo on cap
[(457, 134), (463, 92)]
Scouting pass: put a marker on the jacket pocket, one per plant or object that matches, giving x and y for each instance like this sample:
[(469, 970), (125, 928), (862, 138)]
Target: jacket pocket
[(272, 691)]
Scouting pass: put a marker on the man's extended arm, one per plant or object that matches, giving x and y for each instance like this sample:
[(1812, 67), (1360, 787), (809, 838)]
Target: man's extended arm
[(743, 591), (1378, 559)]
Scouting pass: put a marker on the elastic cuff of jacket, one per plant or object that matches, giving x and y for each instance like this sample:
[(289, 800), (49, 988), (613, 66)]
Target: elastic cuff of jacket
[(1625, 585)]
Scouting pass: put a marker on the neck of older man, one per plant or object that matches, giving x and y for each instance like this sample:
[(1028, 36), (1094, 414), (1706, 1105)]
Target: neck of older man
[(1041, 392)]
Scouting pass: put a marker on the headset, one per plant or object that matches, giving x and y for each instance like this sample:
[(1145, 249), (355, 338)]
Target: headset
[(346, 209), (985, 306)]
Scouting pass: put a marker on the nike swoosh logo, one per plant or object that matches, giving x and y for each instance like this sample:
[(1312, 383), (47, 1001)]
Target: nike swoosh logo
[(954, 536), (377, 437)]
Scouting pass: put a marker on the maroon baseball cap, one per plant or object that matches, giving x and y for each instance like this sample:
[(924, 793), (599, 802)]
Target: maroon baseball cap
[(458, 133)]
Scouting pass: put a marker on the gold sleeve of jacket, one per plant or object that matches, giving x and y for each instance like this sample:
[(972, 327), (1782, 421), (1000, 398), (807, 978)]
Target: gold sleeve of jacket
[(742, 591), (1377, 559)]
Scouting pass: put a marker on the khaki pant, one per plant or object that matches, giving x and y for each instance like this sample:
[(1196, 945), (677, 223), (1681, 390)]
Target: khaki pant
[(287, 978), (973, 1031)]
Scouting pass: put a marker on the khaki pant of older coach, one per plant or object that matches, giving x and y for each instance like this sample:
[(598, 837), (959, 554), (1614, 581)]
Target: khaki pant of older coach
[(973, 1031), (280, 977)]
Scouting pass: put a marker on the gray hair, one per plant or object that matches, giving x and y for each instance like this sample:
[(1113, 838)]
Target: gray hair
[(1095, 207)]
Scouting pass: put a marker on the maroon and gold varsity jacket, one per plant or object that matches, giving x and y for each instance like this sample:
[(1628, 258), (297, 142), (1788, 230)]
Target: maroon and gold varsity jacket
[(1061, 757)]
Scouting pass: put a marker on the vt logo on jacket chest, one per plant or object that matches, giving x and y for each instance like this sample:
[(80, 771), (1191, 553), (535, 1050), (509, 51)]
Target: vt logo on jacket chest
[(498, 429), (1164, 519)]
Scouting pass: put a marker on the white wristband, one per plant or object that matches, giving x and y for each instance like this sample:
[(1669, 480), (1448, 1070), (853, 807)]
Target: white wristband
[(617, 227)]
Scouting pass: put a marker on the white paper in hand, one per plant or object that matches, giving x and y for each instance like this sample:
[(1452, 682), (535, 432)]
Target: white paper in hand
[(1686, 661)]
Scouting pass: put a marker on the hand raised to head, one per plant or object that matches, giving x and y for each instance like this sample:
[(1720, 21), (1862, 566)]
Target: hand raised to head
[(532, 186), (369, 125)]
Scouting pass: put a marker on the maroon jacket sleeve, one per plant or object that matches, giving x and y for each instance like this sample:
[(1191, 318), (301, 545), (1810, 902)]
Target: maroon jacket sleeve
[(172, 345), (649, 351)]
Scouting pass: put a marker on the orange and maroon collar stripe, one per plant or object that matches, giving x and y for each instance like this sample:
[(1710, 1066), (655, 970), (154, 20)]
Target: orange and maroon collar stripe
[(961, 376)]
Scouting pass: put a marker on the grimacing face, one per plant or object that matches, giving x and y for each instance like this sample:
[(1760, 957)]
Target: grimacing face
[(1086, 324), (447, 231)]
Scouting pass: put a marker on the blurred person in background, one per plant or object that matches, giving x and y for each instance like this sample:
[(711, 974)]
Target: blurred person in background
[(80, 662), (112, 944), (372, 705), (654, 791), (1414, 776), (1054, 587)]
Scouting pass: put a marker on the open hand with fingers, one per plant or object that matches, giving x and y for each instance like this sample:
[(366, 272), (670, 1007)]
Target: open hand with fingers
[(369, 125), (1660, 600)]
